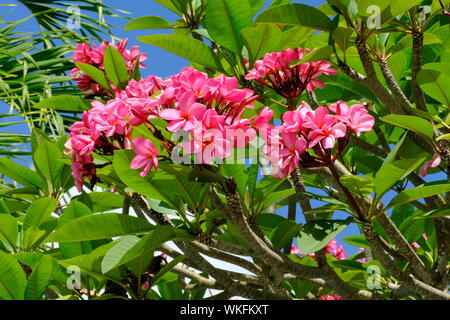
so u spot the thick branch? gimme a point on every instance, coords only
(417, 60)
(220, 255)
(224, 246)
(392, 83)
(405, 248)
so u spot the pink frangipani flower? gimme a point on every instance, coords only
(324, 128)
(433, 163)
(187, 113)
(147, 155)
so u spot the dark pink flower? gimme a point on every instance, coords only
(331, 297)
(274, 71)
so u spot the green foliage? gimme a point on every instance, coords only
(296, 14)
(185, 47)
(317, 234)
(100, 226)
(115, 68)
(225, 19)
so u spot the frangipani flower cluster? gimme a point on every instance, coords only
(209, 109)
(95, 56)
(211, 112)
(275, 72)
(304, 128)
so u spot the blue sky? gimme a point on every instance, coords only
(160, 62)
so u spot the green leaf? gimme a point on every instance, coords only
(435, 82)
(170, 183)
(357, 241)
(317, 234)
(256, 5)
(347, 265)
(284, 232)
(199, 174)
(20, 174)
(32, 237)
(132, 249)
(276, 197)
(444, 137)
(166, 269)
(105, 201)
(390, 174)
(116, 253)
(99, 226)
(38, 212)
(396, 8)
(389, 9)
(406, 43)
(90, 264)
(225, 19)
(259, 40)
(148, 22)
(170, 5)
(64, 103)
(12, 278)
(363, 186)
(263, 189)
(8, 230)
(342, 37)
(39, 279)
(296, 14)
(444, 212)
(74, 210)
(47, 159)
(323, 53)
(185, 47)
(96, 74)
(418, 193)
(115, 67)
(294, 37)
(412, 123)
(393, 154)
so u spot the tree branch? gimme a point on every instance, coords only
(417, 60)
(404, 248)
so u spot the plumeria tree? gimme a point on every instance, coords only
(291, 124)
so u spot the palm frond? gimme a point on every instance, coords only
(59, 14)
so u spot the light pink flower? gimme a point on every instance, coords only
(261, 121)
(187, 113)
(288, 157)
(362, 260)
(355, 117)
(147, 156)
(335, 250)
(433, 163)
(208, 145)
(294, 250)
(324, 128)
